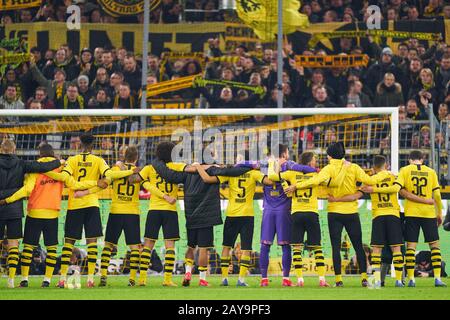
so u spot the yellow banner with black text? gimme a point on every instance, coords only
(18, 4)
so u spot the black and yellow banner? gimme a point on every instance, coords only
(262, 16)
(170, 86)
(18, 4)
(14, 58)
(177, 37)
(332, 61)
(194, 37)
(328, 35)
(118, 8)
(373, 33)
(200, 82)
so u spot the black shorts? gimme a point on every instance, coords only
(235, 226)
(306, 222)
(35, 226)
(128, 223)
(13, 229)
(428, 225)
(386, 231)
(89, 218)
(165, 219)
(202, 237)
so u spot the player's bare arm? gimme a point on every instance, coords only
(412, 197)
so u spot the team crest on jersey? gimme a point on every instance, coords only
(118, 8)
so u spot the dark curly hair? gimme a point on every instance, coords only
(164, 151)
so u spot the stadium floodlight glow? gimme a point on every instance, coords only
(390, 111)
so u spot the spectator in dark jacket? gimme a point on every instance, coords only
(320, 99)
(443, 72)
(355, 98)
(12, 172)
(60, 62)
(132, 73)
(428, 89)
(389, 92)
(377, 71)
(41, 95)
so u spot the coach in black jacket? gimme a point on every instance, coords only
(202, 210)
(12, 171)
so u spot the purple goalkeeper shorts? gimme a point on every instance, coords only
(277, 221)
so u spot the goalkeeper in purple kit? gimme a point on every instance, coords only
(277, 219)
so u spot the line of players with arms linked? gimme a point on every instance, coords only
(290, 211)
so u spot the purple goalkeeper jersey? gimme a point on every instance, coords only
(274, 196)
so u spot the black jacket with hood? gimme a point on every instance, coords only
(201, 200)
(12, 172)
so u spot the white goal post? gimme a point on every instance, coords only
(391, 111)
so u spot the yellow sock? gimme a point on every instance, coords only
(320, 262)
(92, 252)
(410, 262)
(363, 276)
(13, 260)
(25, 260)
(244, 264)
(169, 262)
(188, 263)
(397, 259)
(144, 264)
(338, 277)
(65, 259)
(436, 260)
(375, 261)
(134, 263)
(105, 259)
(224, 266)
(297, 262)
(50, 262)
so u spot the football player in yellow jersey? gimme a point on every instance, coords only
(162, 214)
(386, 223)
(343, 214)
(240, 217)
(124, 216)
(422, 181)
(84, 212)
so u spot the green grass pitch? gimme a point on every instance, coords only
(117, 290)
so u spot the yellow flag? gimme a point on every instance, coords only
(262, 16)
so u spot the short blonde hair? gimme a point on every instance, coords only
(8, 146)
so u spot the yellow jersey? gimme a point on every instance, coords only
(354, 175)
(385, 204)
(303, 200)
(149, 174)
(86, 166)
(242, 190)
(421, 181)
(125, 195)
